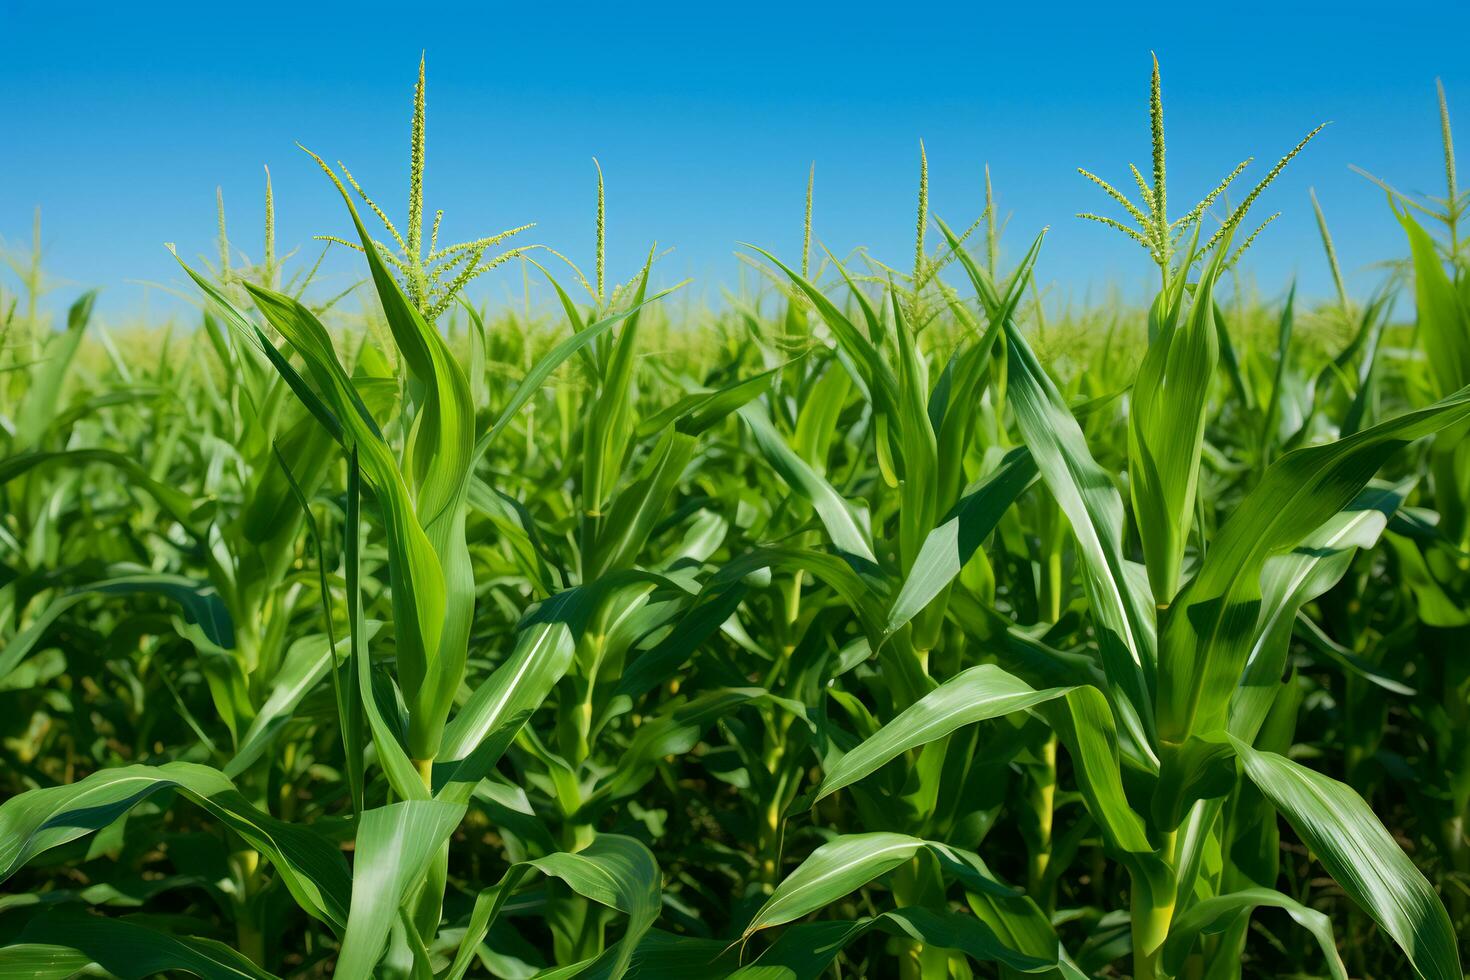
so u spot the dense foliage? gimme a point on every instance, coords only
(876, 627)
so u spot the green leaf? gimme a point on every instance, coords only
(1270, 422)
(487, 908)
(613, 870)
(1215, 914)
(836, 514)
(654, 666)
(950, 545)
(698, 412)
(877, 377)
(395, 844)
(857, 591)
(305, 664)
(482, 730)
(174, 502)
(816, 423)
(199, 603)
(349, 720)
(673, 730)
(974, 695)
(310, 865)
(1208, 633)
(807, 950)
(1166, 431)
(248, 331)
(1435, 607)
(847, 863)
(554, 358)
(618, 872)
(426, 574)
(61, 944)
(401, 773)
(1084, 722)
(1086, 494)
(638, 507)
(1362, 858)
(271, 513)
(1443, 317)
(610, 420)
(38, 410)
(917, 445)
(1289, 581)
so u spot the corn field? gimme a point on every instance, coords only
(872, 625)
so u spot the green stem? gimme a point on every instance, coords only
(1458, 859)
(251, 941)
(1043, 798)
(918, 883)
(428, 906)
(249, 936)
(1151, 915)
(1150, 929)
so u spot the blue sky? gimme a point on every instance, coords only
(120, 124)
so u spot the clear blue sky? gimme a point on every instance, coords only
(120, 123)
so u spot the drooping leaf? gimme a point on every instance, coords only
(198, 601)
(67, 942)
(845, 864)
(310, 865)
(974, 695)
(806, 950)
(1362, 858)
(1214, 914)
(836, 514)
